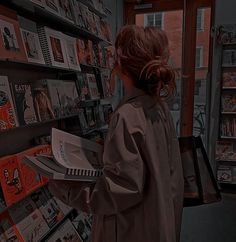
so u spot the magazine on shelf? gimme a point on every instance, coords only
(31, 41)
(81, 51)
(74, 158)
(93, 87)
(228, 102)
(228, 127)
(82, 226)
(229, 57)
(66, 232)
(8, 118)
(48, 207)
(106, 83)
(24, 103)
(42, 102)
(84, 12)
(71, 51)
(226, 174)
(229, 79)
(82, 120)
(78, 14)
(8, 230)
(225, 151)
(28, 220)
(91, 121)
(11, 179)
(11, 44)
(65, 10)
(88, 51)
(82, 85)
(53, 46)
(230, 30)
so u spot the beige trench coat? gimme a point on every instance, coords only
(140, 196)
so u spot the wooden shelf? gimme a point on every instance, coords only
(228, 88)
(228, 137)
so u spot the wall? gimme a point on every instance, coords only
(216, 222)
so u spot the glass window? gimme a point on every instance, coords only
(200, 19)
(199, 57)
(153, 19)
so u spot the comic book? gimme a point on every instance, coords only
(82, 86)
(80, 21)
(229, 80)
(92, 85)
(28, 220)
(106, 83)
(8, 118)
(24, 103)
(11, 178)
(228, 102)
(65, 10)
(52, 6)
(81, 51)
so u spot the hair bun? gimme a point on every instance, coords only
(157, 75)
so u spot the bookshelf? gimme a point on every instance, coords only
(20, 71)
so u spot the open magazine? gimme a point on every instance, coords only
(73, 158)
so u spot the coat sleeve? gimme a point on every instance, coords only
(121, 185)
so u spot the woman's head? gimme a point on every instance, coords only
(142, 55)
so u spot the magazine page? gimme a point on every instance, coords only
(72, 151)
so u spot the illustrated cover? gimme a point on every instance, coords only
(28, 220)
(82, 85)
(91, 121)
(52, 6)
(2, 200)
(71, 51)
(229, 57)
(78, 14)
(48, 207)
(230, 30)
(92, 85)
(56, 44)
(63, 207)
(31, 179)
(98, 53)
(11, 178)
(88, 52)
(42, 102)
(84, 12)
(24, 103)
(91, 22)
(82, 226)
(229, 79)
(66, 232)
(81, 51)
(8, 118)
(70, 98)
(225, 174)
(228, 102)
(8, 231)
(11, 44)
(225, 151)
(106, 83)
(65, 10)
(31, 41)
(55, 88)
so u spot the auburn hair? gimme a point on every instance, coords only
(143, 54)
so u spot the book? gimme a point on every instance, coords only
(84, 12)
(90, 116)
(229, 57)
(63, 207)
(42, 102)
(31, 41)
(71, 51)
(106, 83)
(110, 57)
(82, 226)
(48, 207)
(53, 47)
(28, 220)
(31, 180)
(92, 85)
(74, 158)
(11, 44)
(66, 232)
(82, 86)
(228, 127)
(8, 230)
(229, 79)
(228, 102)
(225, 151)
(79, 20)
(82, 120)
(107, 111)
(65, 10)
(52, 6)
(81, 51)
(88, 51)
(8, 118)
(225, 174)
(24, 103)
(11, 178)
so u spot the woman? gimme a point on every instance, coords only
(140, 195)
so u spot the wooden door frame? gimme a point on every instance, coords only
(189, 44)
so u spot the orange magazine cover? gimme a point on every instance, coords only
(81, 52)
(89, 52)
(11, 179)
(11, 44)
(8, 231)
(31, 179)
